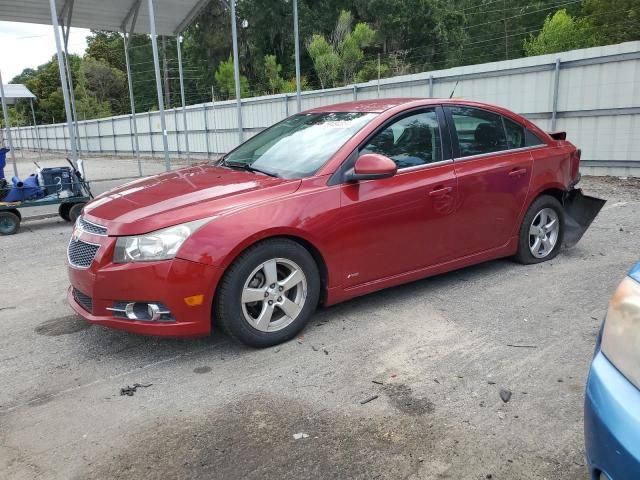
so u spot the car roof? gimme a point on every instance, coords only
(372, 106)
(382, 104)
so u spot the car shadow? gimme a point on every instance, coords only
(109, 344)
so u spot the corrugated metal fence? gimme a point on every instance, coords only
(593, 94)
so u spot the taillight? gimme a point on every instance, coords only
(575, 164)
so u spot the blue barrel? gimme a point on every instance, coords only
(3, 160)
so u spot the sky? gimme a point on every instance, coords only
(28, 45)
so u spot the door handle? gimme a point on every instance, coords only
(438, 192)
(517, 172)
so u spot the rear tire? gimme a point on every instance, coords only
(74, 211)
(9, 223)
(63, 211)
(268, 294)
(541, 232)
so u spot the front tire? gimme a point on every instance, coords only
(541, 232)
(268, 293)
(9, 223)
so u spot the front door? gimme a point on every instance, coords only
(405, 222)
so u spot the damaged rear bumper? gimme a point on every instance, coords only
(579, 210)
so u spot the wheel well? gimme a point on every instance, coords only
(554, 192)
(317, 256)
(315, 253)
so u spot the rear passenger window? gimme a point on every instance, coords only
(479, 131)
(515, 134)
(531, 139)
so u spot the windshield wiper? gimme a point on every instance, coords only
(247, 167)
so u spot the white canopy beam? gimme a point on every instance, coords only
(133, 15)
(156, 66)
(64, 81)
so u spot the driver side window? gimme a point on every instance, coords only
(410, 141)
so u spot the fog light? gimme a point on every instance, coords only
(145, 311)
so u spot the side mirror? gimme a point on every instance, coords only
(371, 166)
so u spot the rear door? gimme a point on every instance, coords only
(406, 222)
(493, 168)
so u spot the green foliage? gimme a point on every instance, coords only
(344, 51)
(225, 80)
(107, 47)
(561, 32)
(369, 71)
(343, 39)
(289, 86)
(272, 71)
(613, 21)
(326, 61)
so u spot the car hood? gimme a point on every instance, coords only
(181, 196)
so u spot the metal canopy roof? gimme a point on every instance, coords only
(172, 16)
(16, 90)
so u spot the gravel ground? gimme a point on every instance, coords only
(436, 353)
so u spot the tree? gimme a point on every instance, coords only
(613, 21)
(272, 71)
(342, 52)
(350, 44)
(107, 84)
(107, 47)
(289, 86)
(225, 80)
(370, 71)
(560, 32)
(325, 60)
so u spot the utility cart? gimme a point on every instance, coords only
(63, 186)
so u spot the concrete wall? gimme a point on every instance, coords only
(593, 94)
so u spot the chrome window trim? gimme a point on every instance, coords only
(82, 219)
(423, 166)
(498, 152)
(79, 267)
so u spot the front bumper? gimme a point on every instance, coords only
(168, 282)
(611, 422)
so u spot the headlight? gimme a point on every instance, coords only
(159, 245)
(621, 335)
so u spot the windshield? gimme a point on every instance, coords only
(298, 146)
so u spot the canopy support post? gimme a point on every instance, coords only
(184, 109)
(236, 67)
(130, 80)
(156, 65)
(35, 128)
(63, 80)
(7, 126)
(297, 52)
(72, 95)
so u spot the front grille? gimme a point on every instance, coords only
(81, 254)
(85, 301)
(89, 227)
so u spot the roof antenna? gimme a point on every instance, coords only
(454, 88)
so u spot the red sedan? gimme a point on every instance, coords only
(329, 204)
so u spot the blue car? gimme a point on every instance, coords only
(612, 400)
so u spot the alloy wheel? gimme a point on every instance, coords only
(544, 232)
(274, 294)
